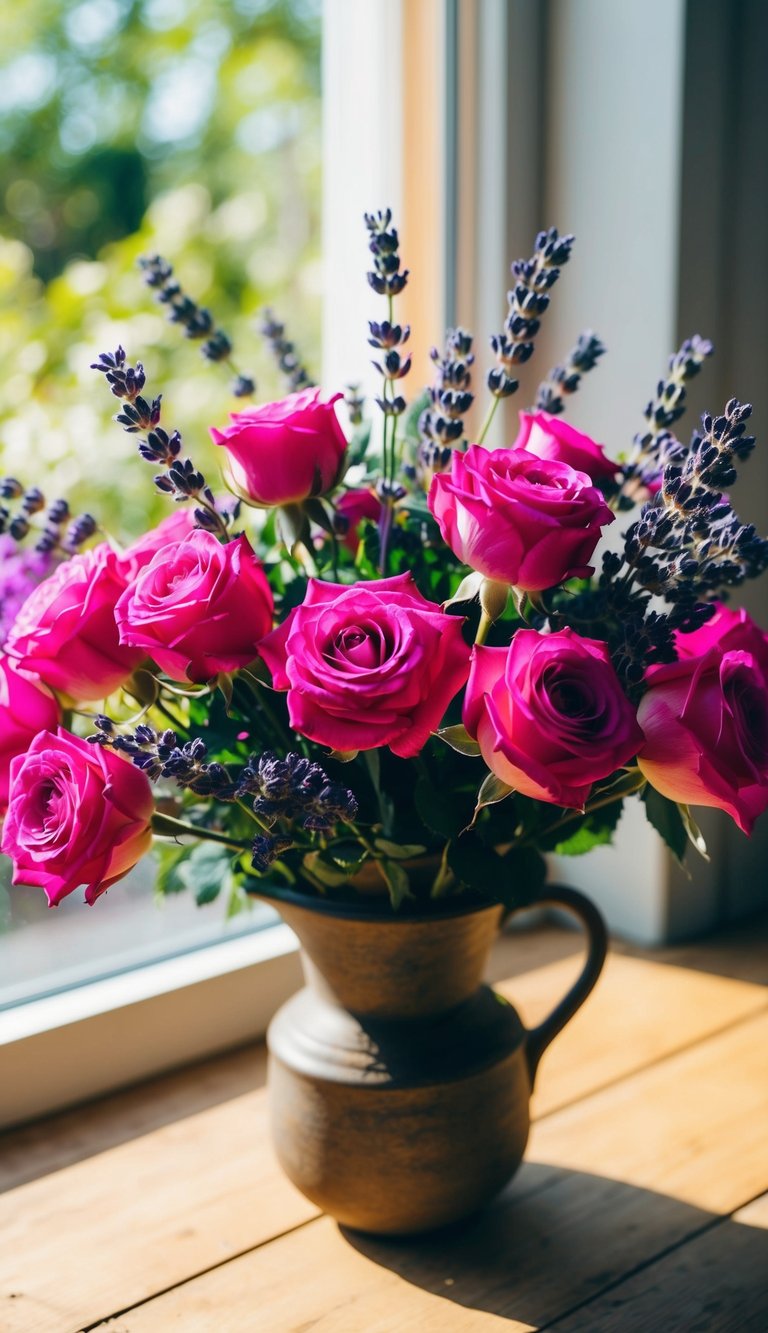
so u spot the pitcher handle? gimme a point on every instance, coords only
(538, 1038)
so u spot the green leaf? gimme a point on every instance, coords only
(467, 591)
(397, 881)
(475, 865)
(318, 513)
(693, 832)
(512, 879)
(459, 739)
(206, 871)
(524, 871)
(443, 812)
(399, 851)
(225, 684)
(667, 820)
(169, 857)
(349, 856)
(595, 830)
(492, 790)
(326, 872)
(344, 756)
(293, 526)
(583, 840)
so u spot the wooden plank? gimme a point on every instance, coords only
(717, 1281)
(613, 1183)
(48, 1145)
(186, 1195)
(692, 1126)
(640, 1012)
(111, 1230)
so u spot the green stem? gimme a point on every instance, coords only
(444, 876)
(178, 724)
(165, 826)
(490, 414)
(252, 815)
(335, 557)
(483, 628)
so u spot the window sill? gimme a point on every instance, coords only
(66, 1048)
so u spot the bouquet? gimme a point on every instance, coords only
(382, 658)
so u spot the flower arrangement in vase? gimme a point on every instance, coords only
(375, 682)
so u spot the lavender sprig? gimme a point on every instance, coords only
(181, 479)
(528, 302)
(19, 505)
(441, 425)
(387, 337)
(296, 789)
(565, 379)
(196, 320)
(292, 790)
(284, 352)
(159, 755)
(657, 447)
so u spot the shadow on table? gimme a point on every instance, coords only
(557, 1239)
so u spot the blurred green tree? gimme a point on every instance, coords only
(181, 126)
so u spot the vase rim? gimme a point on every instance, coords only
(368, 909)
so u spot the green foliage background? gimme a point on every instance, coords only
(185, 126)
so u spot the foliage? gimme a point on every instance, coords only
(96, 171)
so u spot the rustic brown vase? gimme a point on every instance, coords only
(399, 1084)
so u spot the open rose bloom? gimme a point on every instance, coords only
(392, 658)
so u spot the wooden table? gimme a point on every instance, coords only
(643, 1204)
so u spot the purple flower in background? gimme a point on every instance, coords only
(20, 572)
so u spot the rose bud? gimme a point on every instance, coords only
(78, 814)
(284, 452)
(517, 519)
(198, 608)
(550, 715)
(367, 665)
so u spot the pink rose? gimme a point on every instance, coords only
(729, 630)
(65, 632)
(705, 721)
(284, 452)
(517, 519)
(551, 437)
(25, 708)
(367, 665)
(354, 506)
(198, 608)
(550, 715)
(175, 528)
(78, 814)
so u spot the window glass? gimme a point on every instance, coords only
(127, 127)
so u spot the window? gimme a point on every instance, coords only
(477, 123)
(194, 131)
